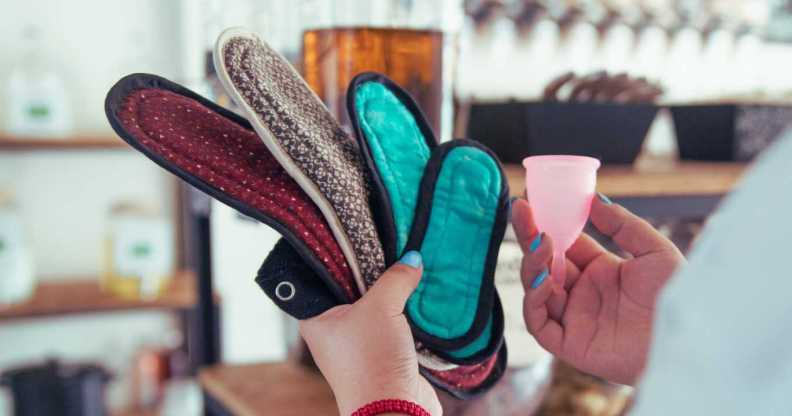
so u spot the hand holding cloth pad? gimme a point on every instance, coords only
(305, 274)
(450, 203)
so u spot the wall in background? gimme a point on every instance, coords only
(93, 43)
(64, 197)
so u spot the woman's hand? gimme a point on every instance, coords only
(601, 320)
(366, 350)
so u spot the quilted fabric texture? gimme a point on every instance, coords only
(399, 151)
(229, 158)
(289, 117)
(451, 312)
(456, 243)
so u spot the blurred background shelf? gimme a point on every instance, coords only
(12, 143)
(75, 296)
(655, 188)
(278, 389)
(654, 179)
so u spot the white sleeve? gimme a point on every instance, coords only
(723, 333)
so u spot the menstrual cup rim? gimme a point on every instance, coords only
(593, 162)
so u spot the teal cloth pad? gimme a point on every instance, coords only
(398, 148)
(455, 247)
(464, 207)
(474, 347)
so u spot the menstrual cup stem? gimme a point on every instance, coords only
(558, 270)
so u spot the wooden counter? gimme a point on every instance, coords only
(276, 389)
(286, 389)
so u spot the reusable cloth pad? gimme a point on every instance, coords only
(307, 141)
(458, 227)
(219, 153)
(449, 202)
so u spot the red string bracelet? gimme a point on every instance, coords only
(391, 406)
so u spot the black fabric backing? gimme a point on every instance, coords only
(284, 264)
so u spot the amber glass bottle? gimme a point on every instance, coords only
(411, 57)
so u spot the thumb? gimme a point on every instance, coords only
(396, 285)
(629, 231)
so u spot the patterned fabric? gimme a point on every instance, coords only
(468, 376)
(232, 159)
(313, 139)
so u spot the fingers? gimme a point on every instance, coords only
(547, 331)
(628, 231)
(522, 221)
(396, 285)
(313, 328)
(536, 259)
(584, 250)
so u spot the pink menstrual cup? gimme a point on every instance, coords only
(560, 189)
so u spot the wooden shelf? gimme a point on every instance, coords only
(10, 143)
(75, 296)
(654, 179)
(277, 389)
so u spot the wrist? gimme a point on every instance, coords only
(368, 391)
(391, 407)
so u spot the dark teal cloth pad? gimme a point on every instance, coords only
(398, 148)
(456, 242)
(446, 201)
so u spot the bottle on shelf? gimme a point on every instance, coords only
(138, 252)
(17, 281)
(36, 98)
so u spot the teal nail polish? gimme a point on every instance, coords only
(536, 243)
(539, 279)
(605, 200)
(412, 258)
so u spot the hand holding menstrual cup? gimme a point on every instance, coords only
(560, 189)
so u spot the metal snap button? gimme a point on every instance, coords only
(285, 291)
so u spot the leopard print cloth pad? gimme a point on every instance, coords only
(313, 139)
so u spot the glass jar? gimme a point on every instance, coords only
(138, 252)
(17, 281)
(410, 41)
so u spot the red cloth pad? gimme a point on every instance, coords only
(231, 159)
(469, 376)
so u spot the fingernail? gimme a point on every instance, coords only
(536, 242)
(605, 200)
(509, 207)
(412, 258)
(539, 279)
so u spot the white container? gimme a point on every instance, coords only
(17, 281)
(36, 99)
(139, 252)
